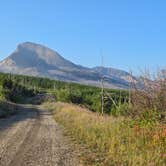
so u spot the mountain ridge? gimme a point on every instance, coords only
(37, 60)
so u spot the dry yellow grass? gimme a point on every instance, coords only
(112, 141)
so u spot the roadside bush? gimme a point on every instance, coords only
(150, 101)
(15, 92)
(62, 95)
(121, 110)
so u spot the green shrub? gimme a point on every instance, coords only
(120, 110)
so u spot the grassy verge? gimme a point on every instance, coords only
(111, 141)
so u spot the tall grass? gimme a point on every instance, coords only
(112, 141)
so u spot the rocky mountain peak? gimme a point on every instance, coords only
(38, 60)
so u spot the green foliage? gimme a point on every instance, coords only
(15, 87)
(62, 95)
(120, 110)
(12, 89)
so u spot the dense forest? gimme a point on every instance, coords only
(18, 87)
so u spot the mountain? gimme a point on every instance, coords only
(37, 60)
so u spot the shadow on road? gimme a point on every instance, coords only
(23, 112)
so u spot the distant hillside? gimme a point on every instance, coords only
(37, 60)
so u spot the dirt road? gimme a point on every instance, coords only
(33, 138)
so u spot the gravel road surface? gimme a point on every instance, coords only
(33, 138)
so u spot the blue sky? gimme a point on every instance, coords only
(130, 33)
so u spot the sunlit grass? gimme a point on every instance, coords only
(112, 141)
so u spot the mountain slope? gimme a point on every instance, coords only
(37, 60)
